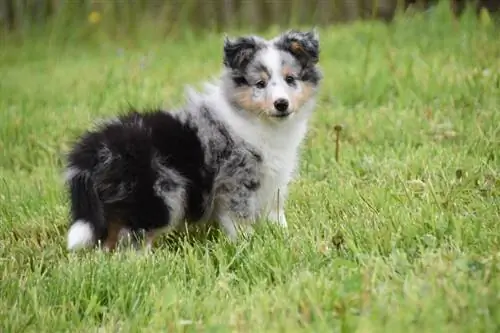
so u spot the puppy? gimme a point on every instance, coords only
(226, 156)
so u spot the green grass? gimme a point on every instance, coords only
(402, 234)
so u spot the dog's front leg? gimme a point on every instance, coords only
(233, 226)
(277, 208)
(278, 217)
(228, 225)
(232, 222)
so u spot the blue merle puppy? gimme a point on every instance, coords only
(226, 156)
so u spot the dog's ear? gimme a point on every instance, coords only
(302, 45)
(239, 52)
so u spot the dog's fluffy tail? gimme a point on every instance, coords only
(87, 223)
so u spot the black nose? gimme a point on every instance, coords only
(281, 105)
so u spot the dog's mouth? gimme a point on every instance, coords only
(281, 115)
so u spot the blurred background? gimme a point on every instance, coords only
(172, 16)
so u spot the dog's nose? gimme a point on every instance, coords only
(281, 104)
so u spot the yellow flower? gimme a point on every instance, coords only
(94, 17)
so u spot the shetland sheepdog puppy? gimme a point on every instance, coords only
(227, 155)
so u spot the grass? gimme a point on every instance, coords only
(401, 234)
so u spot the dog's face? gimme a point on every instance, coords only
(272, 78)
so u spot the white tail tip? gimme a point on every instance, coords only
(80, 235)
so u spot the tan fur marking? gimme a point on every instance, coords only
(114, 228)
(263, 75)
(243, 98)
(296, 47)
(299, 99)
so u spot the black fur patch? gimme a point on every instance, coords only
(302, 45)
(239, 80)
(310, 74)
(239, 52)
(117, 160)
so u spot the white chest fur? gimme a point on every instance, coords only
(278, 145)
(278, 142)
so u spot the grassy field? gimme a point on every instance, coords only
(402, 234)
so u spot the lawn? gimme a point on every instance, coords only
(401, 234)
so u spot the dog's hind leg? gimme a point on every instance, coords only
(151, 236)
(170, 187)
(114, 228)
(88, 222)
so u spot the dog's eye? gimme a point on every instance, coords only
(289, 79)
(261, 84)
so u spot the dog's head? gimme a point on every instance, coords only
(272, 78)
